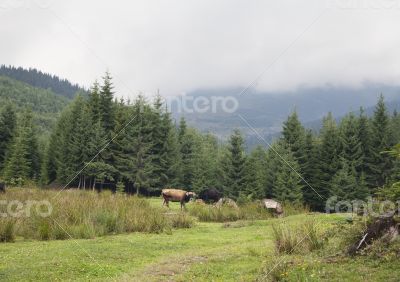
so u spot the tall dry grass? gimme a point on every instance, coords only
(210, 213)
(84, 214)
(302, 238)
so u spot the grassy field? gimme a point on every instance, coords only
(235, 251)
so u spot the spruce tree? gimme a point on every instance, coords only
(186, 138)
(236, 170)
(310, 171)
(23, 161)
(205, 162)
(107, 105)
(328, 158)
(94, 102)
(142, 143)
(381, 165)
(288, 186)
(293, 134)
(255, 175)
(8, 120)
(365, 137)
(351, 149)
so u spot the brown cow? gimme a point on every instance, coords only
(176, 195)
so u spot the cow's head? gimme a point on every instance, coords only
(189, 196)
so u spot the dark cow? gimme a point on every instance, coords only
(210, 195)
(177, 195)
(2, 187)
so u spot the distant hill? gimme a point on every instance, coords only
(43, 80)
(266, 111)
(44, 103)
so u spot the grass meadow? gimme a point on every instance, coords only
(251, 247)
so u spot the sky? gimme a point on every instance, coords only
(181, 46)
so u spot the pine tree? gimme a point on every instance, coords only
(293, 134)
(107, 105)
(288, 187)
(329, 158)
(205, 162)
(23, 161)
(365, 137)
(255, 167)
(94, 102)
(235, 172)
(381, 165)
(344, 183)
(142, 143)
(310, 172)
(351, 149)
(186, 140)
(7, 130)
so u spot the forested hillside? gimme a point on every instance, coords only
(99, 142)
(39, 79)
(44, 104)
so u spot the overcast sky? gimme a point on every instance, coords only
(179, 46)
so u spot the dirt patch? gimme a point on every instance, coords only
(168, 269)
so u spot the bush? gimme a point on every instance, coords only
(297, 239)
(181, 220)
(7, 232)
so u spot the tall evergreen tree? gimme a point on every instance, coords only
(293, 134)
(310, 172)
(186, 140)
(329, 157)
(365, 137)
(381, 165)
(23, 161)
(351, 149)
(236, 170)
(288, 186)
(107, 105)
(255, 175)
(94, 102)
(8, 120)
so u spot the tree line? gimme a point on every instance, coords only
(136, 147)
(43, 80)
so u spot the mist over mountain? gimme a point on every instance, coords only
(265, 111)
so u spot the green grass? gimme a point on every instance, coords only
(238, 251)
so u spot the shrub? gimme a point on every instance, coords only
(7, 231)
(297, 239)
(286, 239)
(181, 220)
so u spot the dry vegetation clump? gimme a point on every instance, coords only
(83, 214)
(225, 213)
(297, 239)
